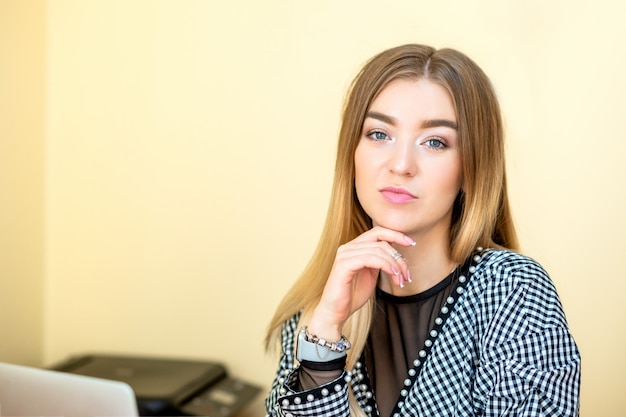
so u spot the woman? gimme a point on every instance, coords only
(415, 302)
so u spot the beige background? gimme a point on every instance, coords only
(165, 165)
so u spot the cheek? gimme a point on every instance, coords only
(360, 165)
(363, 173)
(456, 177)
(449, 177)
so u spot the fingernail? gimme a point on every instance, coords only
(394, 270)
(411, 241)
(401, 282)
(408, 276)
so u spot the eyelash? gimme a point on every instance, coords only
(372, 135)
(441, 143)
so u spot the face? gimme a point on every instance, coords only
(407, 162)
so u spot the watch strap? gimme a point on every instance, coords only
(314, 352)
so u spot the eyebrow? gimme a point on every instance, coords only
(425, 125)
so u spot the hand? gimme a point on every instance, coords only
(354, 276)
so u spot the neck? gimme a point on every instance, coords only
(429, 264)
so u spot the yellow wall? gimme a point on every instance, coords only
(189, 147)
(22, 41)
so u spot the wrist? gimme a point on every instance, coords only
(324, 328)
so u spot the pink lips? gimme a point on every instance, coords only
(397, 195)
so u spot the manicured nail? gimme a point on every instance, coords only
(408, 276)
(401, 282)
(411, 241)
(394, 270)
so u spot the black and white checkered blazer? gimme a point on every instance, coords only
(504, 350)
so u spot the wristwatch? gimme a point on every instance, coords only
(314, 349)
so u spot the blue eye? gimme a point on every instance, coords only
(435, 143)
(377, 135)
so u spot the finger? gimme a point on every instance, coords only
(383, 234)
(404, 264)
(397, 256)
(355, 256)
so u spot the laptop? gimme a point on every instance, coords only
(26, 391)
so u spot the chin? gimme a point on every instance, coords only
(396, 224)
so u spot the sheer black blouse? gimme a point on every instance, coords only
(399, 328)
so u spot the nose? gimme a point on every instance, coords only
(403, 159)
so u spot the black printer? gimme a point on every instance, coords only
(170, 387)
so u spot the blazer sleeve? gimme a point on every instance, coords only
(529, 364)
(283, 400)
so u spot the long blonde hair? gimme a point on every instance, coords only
(481, 214)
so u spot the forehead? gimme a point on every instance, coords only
(411, 98)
